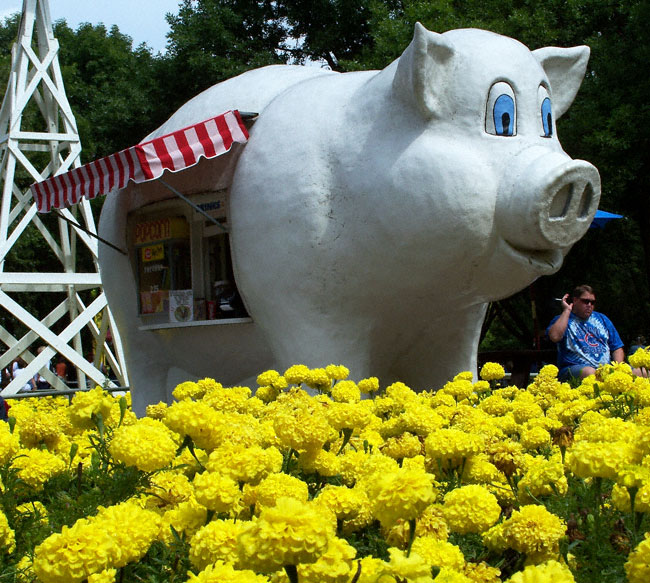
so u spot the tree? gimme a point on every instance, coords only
(213, 40)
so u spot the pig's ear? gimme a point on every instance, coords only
(422, 71)
(565, 69)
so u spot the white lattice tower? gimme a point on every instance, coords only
(39, 138)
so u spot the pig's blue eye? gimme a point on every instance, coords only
(504, 115)
(501, 110)
(547, 118)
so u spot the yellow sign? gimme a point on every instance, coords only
(153, 253)
(171, 228)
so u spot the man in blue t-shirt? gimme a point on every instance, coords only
(585, 339)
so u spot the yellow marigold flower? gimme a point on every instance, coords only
(37, 466)
(495, 538)
(470, 508)
(245, 464)
(187, 463)
(458, 389)
(337, 372)
(369, 385)
(400, 393)
(604, 460)
(637, 567)
(479, 470)
(633, 476)
(360, 468)
(439, 553)
(186, 518)
(535, 438)
(39, 427)
(549, 571)
(333, 566)
(199, 421)
(413, 568)
(7, 536)
(535, 531)
(25, 570)
(71, 555)
(523, 410)
(482, 573)
(216, 491)
(507, 456)
(273, 487)
(617, 382)
(481, 387)
(450, 446)
(148, 445)
(9, 443)
(318, 379)
(640, 358)
(405, 445)
(34, 508)
(133, 528)
(404, 494)
(228, 400)
(85, 404)
(301, 427)
(621, 498)
(346, 392)
(466, 375)
(157, 411)
(216, 541)
(347, 416)
(542, 478)
(290, 533)
(188, 390)
(221, 572)
(344, 502)
(170, 489)
(268, 378)
(495, 405)
(419, 419)
(106, 576)
(325, 463)
(296, 374)
(267, 393)
(432, 523)
(492, 371)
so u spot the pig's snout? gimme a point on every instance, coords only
(549, 205)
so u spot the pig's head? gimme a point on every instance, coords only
(497, 102)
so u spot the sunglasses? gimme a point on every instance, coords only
(587, 302)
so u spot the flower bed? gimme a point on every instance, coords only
(472, 483)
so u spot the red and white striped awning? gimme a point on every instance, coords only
(145, 161)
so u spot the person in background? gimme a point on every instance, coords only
(18, 366)
(585, 338)
(61, 368)
(41, 383)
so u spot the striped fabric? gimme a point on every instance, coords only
(142, 162)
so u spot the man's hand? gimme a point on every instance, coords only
(566, 306)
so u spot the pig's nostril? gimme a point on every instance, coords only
(586, 200)
(561, 201)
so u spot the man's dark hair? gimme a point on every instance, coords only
(582, 289)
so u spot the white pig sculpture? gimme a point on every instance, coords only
(373, 215)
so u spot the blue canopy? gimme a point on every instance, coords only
(602, 218)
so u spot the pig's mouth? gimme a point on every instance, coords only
(544, 260)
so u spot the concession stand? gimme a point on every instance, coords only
(178, 244)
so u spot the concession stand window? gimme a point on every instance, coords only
(179, 246)
(182, 261)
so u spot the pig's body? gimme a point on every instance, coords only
(373, 215)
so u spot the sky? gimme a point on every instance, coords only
(142, 20)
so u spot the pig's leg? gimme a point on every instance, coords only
(447, 346)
